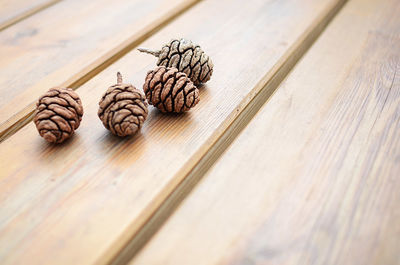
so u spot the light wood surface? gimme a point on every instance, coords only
(83, 201)
(67, 44)
(13, 11)
(314, 177)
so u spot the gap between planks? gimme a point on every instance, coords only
(237, 121)
(26, 14)
(23, 117)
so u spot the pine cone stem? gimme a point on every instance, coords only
(119, 78)
(154, 53)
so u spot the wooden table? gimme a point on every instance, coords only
(292, 155)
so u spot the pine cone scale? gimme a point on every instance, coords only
(195, 70)
(178, 86)
(166, 91)
(52, 100)
(127, 96)
(192, 99)
(117, 97)
(140, 106)
(52, 131)
(186, 60)
(158, 77)
(148, 93)
(62, 124)
(62, 111)
(56, 107)
(189, 98)
(168, 75)
(167, 98)
(129, 107)
(157, 92)
(124, 113)
(73, 102)
(202, 74)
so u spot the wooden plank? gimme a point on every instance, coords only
(314, 178)
(13, 11)
(84, 201)
(69, 43)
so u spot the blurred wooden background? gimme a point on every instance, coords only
(292, 155)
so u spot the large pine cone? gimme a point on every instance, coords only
(187, 57)
(170, 90)
(123, 109)
(58, 114)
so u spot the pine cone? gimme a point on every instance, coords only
(58, 114)
(170, 90)
(123, 109)
(187, 57)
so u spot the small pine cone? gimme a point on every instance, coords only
(122, 109)
(58, 114)
(187, 57)
(170, 90)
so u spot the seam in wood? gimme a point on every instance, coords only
(206, 157)
(23, 117)
(26, 14)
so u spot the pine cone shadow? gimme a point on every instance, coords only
(169, 125)
(122, 151)
(176, 125)
(110, 139)
(51, 152)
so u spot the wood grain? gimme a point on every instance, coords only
(314, 178)
(69, 43)
(83, 201)
(13, 11)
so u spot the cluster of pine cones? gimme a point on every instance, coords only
(171, 87)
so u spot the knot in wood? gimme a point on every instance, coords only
(170, 90)
(123, 109)
(58, 114)
(187, 57)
